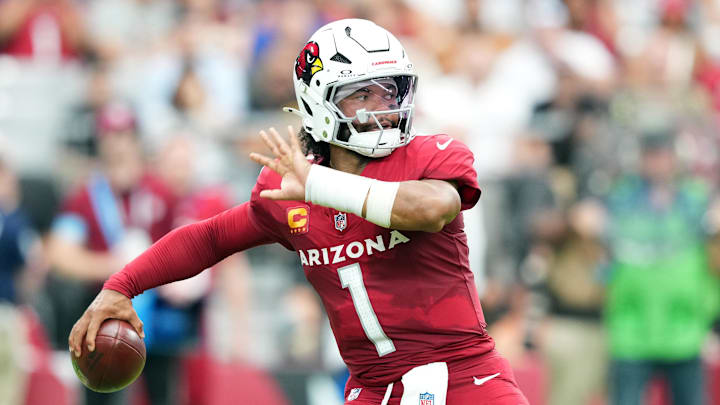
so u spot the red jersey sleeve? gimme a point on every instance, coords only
(264, 213)
(451, 160)
(189, 250)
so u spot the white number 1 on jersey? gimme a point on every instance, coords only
(352, 279)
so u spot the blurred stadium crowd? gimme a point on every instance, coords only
(595, 128)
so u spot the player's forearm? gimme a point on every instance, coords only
(181, 254)
(425, 205)
(415, 205)
(187, 251)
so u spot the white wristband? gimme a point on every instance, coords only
(380, 201)
(335, 189)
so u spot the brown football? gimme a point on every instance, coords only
(118, 358)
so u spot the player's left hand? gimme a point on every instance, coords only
(108, 304)
(289, 162)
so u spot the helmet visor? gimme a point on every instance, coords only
(375, 115)
(392, 94)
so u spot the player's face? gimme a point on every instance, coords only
(375, 97)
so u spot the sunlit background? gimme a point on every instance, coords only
(594, 125)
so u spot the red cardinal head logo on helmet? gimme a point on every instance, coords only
(308, 62)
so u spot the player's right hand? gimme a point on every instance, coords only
(108, 304)
(289, 162)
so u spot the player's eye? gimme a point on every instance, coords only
(361, 95)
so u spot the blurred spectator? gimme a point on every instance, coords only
(303, 333)
(82, 124)
(531, 198)
(44, 30)
(669, 55)
(226, 289)
(466, 62)
(572, 336)
(193, 105)
(531, 225)
(18, 257)
(201, 126)
(661, 295)
(593, 148)
(104, 223)
(197, 78)
(172, 313)
(581, 62)
(214, 44)
(583, 141)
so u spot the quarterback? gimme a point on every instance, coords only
(373, 212)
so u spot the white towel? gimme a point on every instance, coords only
(425, 385)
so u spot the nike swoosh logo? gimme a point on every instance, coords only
(481, 381)
(442, 146)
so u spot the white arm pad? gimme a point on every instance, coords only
(380, 202)
(347, 192)
(335, 189)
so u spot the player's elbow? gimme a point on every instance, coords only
(440, 211)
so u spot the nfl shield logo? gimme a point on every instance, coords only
(427, 399)
(354, 393)
(341, 221)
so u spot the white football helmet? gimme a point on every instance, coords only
(341, 58)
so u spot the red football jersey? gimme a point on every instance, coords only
(395, 299)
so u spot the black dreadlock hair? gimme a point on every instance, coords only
(320, 150)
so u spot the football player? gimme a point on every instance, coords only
(373, 213)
